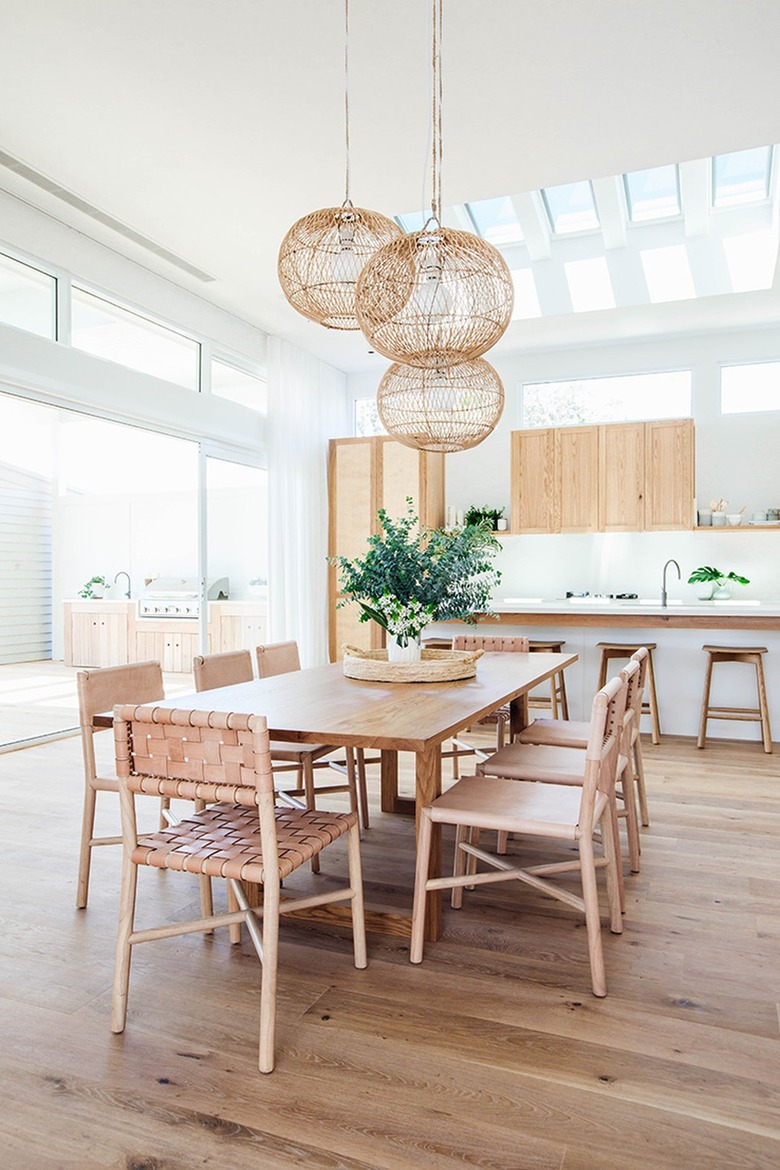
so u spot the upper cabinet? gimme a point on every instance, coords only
(624, 477)
(365, 475)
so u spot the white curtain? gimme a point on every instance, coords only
(307, 405)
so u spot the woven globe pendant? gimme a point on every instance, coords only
(435, 298)
(441, 409)
(321, 257)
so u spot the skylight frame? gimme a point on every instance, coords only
(730, 204)
(637, 217)
(481, 230)
(551, 218)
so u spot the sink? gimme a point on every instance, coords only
(590, 600)
(657, 601)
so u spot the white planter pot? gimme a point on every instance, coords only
(411, 652)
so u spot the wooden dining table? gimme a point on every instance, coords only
(322, 705)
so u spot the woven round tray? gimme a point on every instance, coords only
(434, 666)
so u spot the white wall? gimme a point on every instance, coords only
(736, 458)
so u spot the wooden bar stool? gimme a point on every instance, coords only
(610, 650)
(760, 714)
(557, 700)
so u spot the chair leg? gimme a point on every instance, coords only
(655, 722)
(763, 706)
(615, 839)
(553, 697)
(356, 885)
(590, 898)
(235, 927)
(165, 804)
(85, 850)
(425, 833)
(459, 865)
(632, 820)
(268, 987)
(705, 704)
(564, 701)
(639, 777)
(311, 804)
(362, 787)
(615, 896)
(127, 898)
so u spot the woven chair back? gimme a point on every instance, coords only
(277, 658)
(101, 690)
(490, 643)
(633, 676)
(222, 670)
(602, 752)
(194, 755)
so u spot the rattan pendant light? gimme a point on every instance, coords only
(438, 296)
(441, 409)
(321, 257)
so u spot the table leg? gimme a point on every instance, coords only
(389, 781)
(428, 787)
(518, 716)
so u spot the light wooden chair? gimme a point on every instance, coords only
(557, 700)
(222, 670)
(283, 658)
(98, 692)
(222, 760)
(574, 733)
(611, 650)
(490, 643)
(540, 812)
(552, 764)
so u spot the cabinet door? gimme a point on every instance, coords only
(240, 628)
(98, 635)
(669, 474)
(577, 466)
(622, 477)
(353, 498)
(534, 495)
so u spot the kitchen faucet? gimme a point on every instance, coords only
(663, 582)
(124, 574)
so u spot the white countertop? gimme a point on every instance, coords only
(594, 605)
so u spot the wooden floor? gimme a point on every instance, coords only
(493, 1054)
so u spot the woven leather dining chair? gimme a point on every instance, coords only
(539, 812)
(224, 761)
(283, 658)
(98, 692)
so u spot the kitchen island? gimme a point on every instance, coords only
(679, 631)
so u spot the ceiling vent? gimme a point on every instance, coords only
(115, 225)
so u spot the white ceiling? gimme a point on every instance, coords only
(209, 126)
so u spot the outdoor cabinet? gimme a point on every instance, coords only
(364, 475)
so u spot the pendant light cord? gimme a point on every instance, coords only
(436, 153)
(346, 100)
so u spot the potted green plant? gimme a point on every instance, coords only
(95, 587)
(714, 582)
(412, 576)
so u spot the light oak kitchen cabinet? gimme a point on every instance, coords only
(98, 633)
(621, 477)
(364, 475)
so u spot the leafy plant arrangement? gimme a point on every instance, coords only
(491, 516)
(709, 573)
(718, 580)
(88, 589)
(410, 577)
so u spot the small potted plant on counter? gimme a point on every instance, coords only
(95, 587)
(714, 582)
(410, 577)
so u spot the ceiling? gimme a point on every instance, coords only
(209, 127)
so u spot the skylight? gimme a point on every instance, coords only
(652, 194)
(741, 177)
(496, 221)
(571, 207)
(413, 221)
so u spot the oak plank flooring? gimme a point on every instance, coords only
(491, 1054)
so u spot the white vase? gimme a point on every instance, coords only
(721, 593)
(411, 652)
(704, 592)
